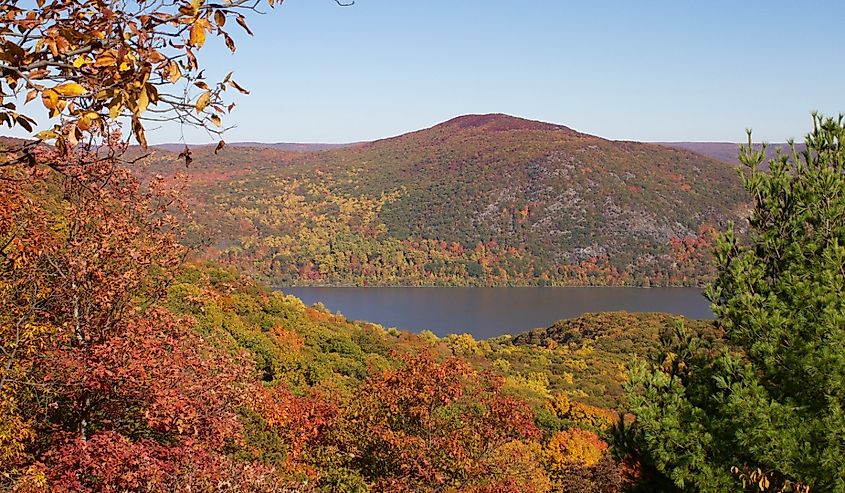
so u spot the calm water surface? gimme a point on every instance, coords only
(489, 312)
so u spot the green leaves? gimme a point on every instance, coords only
(762, 410)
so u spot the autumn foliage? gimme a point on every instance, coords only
(91, 63)
(121, 376)
(439, 426)
(124, 369)
(89, 367)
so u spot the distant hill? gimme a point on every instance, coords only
(479, 199)
(726, 151)
(281, 146)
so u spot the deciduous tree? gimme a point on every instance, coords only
(439, 426)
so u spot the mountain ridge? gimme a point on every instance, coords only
(724, 151)
(476, 200)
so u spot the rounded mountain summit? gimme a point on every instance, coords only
(478, 199)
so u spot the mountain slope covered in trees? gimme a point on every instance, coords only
(480, 199)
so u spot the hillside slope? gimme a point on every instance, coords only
(480, 199)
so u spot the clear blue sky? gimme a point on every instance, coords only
(643, 70)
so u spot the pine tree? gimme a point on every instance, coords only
(763, 407)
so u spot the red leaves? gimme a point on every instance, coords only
(109, 462)
(430, 424)
(301, 421)
(127, 396)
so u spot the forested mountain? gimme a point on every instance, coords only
(480, 199)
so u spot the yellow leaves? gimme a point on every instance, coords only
(115, 108)
(110, 61)
(584, 414)
(760, 478)
(559, 405)
(53, 99)
(142, 102)
(15, 430)
(46, 135)
(202, 101)
(197, 32)
(81, 60)
(72, 135)
(70, 89)
(173, 73)
(573, 447)
(148, 94)
(32, 478)
(50, 99)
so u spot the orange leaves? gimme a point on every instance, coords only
(237, 86)
(53, 102)
(219, 18)
(106, 59)
(230, 43)
(572, 447)
(301, 420)
(84, 255)
(92, 58)
(288, 339)
(197, 32)
(112, 376)
(433, 424)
